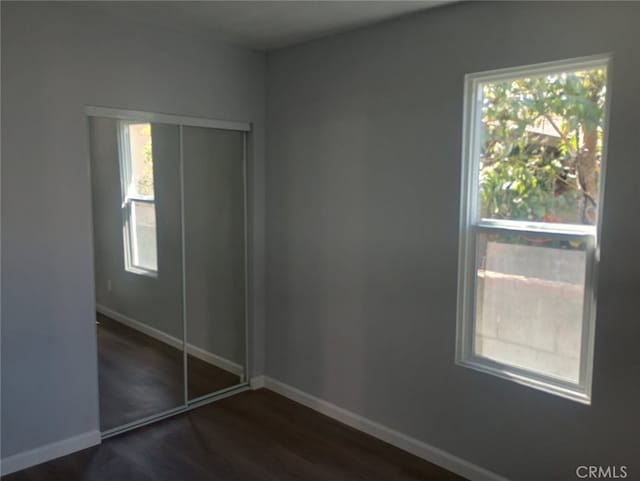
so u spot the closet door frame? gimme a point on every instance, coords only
(182, 121)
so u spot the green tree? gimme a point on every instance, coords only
(541, 146)
(145, 180)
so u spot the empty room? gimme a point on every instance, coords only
(320, 240)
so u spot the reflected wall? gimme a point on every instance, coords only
(169, 219)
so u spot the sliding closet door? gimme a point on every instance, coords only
(215, 283)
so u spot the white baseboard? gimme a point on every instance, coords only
(162, 336)
(423, 450)
(257, 382)
(140, 326)
(48, 452)
(215, 360)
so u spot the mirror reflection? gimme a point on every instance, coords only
(215, 243)
(169, 247)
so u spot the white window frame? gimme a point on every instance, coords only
(471, 225)
(128, 197)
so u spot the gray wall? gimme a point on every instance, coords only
(214, 237)
(55, 59)
(363, 186)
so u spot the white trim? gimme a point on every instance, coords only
(172, 341)
(257, 382)
(140, 326)
(183, 252)
(544, 68)
(537, 228)
(559, 387)
(215, 360)
(418, 448)
(141, 116)
(245, 212)
(45, 453)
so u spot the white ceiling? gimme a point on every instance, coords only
(264, 25)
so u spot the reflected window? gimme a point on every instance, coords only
(138, 198)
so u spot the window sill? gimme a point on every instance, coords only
(142, 272)
(535, 381)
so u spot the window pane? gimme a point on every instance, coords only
(529, 303)
(141, 161)
(143, 217)
(541, 147)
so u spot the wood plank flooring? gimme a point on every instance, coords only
(252, 436)
(140, 376)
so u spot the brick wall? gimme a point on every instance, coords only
(529, 306)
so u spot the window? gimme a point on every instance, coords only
(138, 200)
(532, 189)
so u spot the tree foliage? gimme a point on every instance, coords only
(541, 146)
(145, 180)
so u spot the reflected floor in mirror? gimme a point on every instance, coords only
(251, 436)
(141, 376)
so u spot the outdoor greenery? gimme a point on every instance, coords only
(145, 180)
(541, 147)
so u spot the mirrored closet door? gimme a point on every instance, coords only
(169, 221)
(214, 213)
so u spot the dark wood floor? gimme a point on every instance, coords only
(140, 376)
(252, 436)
